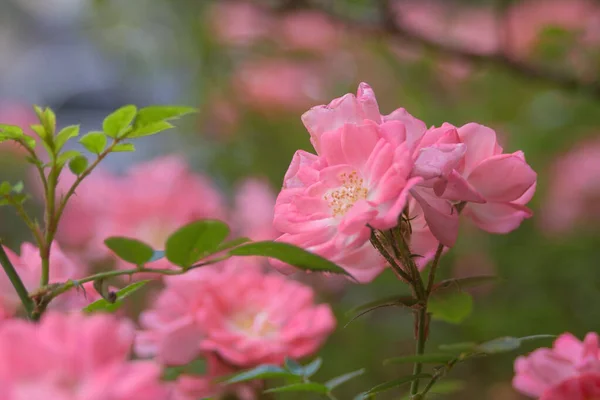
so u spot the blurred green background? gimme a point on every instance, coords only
(253, 68)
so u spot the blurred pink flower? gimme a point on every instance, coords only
(21, 115)
(309, 30)
(574, 189)
(241, 314)
(199, 387)
(568, 371)
(239, 22)
(74, 357)
(504, 181)
(279, 85)
(526, 20)
(29, 266)
(253, 210)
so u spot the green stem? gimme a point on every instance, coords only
(421, 340)
(436, 260)
(16, 282)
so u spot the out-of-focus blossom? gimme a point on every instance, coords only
(309, 30)
(20, 115)
(526, 21)
(451, 24)
(239, 22)
(29, 267)
(239, 313)
(253, 210)
(573, 197)
(568, 371)
(199, 387)
(74, 357)
(279, 85)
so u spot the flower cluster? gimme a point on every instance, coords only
(74, 357)
(368, 167)
(570, 370)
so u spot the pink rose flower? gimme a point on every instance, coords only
(568, 371)
(29, 266)
(74, 357)
(239, 22)
(241, 314)
(254, 205)
(309, 30)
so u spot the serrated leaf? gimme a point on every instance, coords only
(130, 250)
(431, 358)
(300, 387)
(452, 307)
(311, 368)
(64, 135)
(103, 305)
(66, 156)
(463, 283)
(260, 372)
(78, 164)
(289, 254)
(123, 147)
(150, 129)
(94, 142)
(151, 114)
(195, 240)
(118, 121)
(337, 381)
(395, 383)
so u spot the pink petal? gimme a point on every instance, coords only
(497, 217)
(415, 128)
(481, 144)
(457, 188)
(370, 108)
(440, 215)
(358, 141)
(438, 160)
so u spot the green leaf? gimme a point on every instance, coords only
(395, 383)
(230, 244)
(103, 305)
(311, 368)
(196, 367)
(78, 164)
(193, 241)
(11, 131)
(151, 114)
(18, 187)
(432, 358)
(66, 156)
(5, 188)
(49, 121)
(443, 387)
(335, 382)
(289, 254)
(123, 147)
(150, 129)
(293, 366)
(453, 307)
(260, 372)
(94, 142)
(117, 122)
(39, 130)
(130, 250)
(463, 283)
(300, 387)
(506, 344)
(458, 347)
(64, 135)
(391, 301)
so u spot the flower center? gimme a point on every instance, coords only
(342, 199)
(254, 324)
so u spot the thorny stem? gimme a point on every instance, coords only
(431, 280)
(421, 321)
(16, 281)
(382, 250)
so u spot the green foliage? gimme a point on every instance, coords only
(123, 147)
(196, 367)
(340, 380)
(153, 114)
(261, 372)
(116, 124)
(64, 135)
(150, 129)
(289, 254)
(453, 306)
(395, 383)
(104, 305)
(78, 164)
(130, 250)
(194, 241)
(94, 142)
(390, 301)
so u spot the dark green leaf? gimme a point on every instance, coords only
(407, 301)
(395, 383)
(432, 358)
(117, 122)
(150, 129)
(460, 284)
(195, 240)
(66, 156)
(104, 305)
(337, 381)
(130, 250)
(311, 368)
(78, 164)
(300, 387)
(230, 244)
(151, 114)
(289, 254)
(453, 306)
(261, 372)
(123, 148)
(94, 142)
(64, 135)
